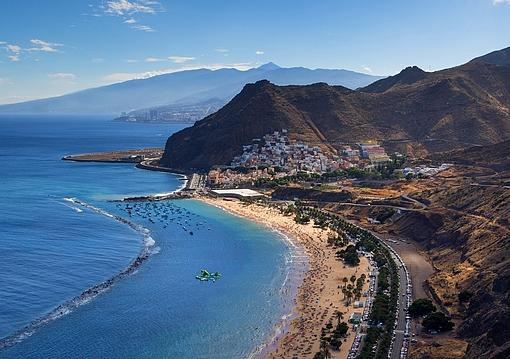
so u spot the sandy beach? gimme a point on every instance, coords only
(319, 295)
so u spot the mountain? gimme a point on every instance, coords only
(496, 156)
(499, 58)
(465, 232)
(408, 76)
(182, 88)
(415, 111)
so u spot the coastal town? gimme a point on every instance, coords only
(274, 157)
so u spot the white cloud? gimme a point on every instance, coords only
(221, 50)
(15, 49)
(44, 46)
(180, 59)
(125, 7)
(125, 76)
(62, 76)
(497, 2)
(97, 60)
(4, 81)
(259, 52)
(154, 59)
(38, 45)
(143, 28)
(128, 10)
(131, 61)
(366, 68)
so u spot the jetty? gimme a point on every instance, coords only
(124, 156)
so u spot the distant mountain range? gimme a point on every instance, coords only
(415, 112)
(184, 88)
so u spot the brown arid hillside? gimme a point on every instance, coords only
(423, 112)
(496, 156)
(466, 231)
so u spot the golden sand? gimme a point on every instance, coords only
(320, 294)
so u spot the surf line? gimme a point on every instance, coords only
(92, 292)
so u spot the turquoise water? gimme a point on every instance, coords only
(54, 249)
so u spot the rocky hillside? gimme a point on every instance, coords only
(495, 156)
(466, 231)
(428, 112)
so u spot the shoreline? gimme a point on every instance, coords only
(318, 293)
(290, 286)
(90, 293)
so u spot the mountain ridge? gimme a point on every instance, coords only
(427, 112)
(182, 87)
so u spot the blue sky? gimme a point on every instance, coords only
(53, 47)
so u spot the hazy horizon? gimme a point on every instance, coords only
(53, 49)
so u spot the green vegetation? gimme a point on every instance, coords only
(380, 308)
(353, 289)
(370, 343)
(301, 219)
(465, 296)
(332, 339)
(421, 307)
(378, 339)
(321, 355)
(349, 255)
(383, 171)
(338, 240)
(383, 281)
(437, 321)
(382, 214)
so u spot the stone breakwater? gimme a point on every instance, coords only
(92, 292)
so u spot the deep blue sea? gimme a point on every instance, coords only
(52, 249)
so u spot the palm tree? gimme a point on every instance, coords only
(349, 296)
(339, 315)
(357, 293)
(345, 280)
(325, 349)
(353, 279)
(344, 292)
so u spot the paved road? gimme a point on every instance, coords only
(490, 185)
(401, 314)
(402, 300)
(415, 201)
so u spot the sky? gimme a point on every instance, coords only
(52, 47)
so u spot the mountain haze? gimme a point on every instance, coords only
(182, 88)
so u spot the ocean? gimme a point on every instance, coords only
(61, 233)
